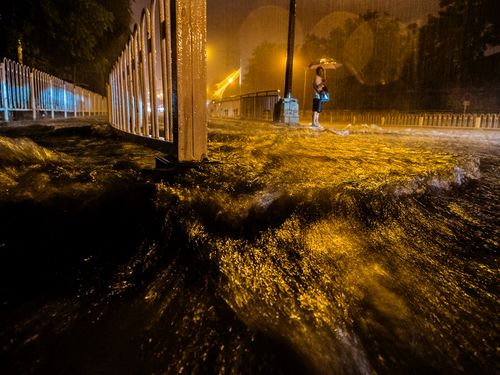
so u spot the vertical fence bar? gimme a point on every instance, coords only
(132, 93)
(111, 87)
(32, 95)
(9, 105)
(128, 76)
(121, 96)
(169, 68)
(4, 92)
(125, 90)
(108, 94)
(87, 98)
(75, 102)
(151, 40)
(51, 83)
(116, 99)
(136, 80)
(130, 85)
(142, 65)
(111, 98)
(13, 85)
(165, 64)
(65, 105)
(117, 96)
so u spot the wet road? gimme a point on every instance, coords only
(289, 251)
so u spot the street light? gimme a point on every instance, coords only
(223, 85)
(287, 109)
(290, 50)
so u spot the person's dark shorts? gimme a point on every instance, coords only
(317, 105)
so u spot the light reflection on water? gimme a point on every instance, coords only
(290, 251)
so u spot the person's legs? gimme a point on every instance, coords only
(316, 110)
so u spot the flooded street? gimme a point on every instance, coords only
(289, 250)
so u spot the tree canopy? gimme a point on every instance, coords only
(266, 68)
(75, 40)
(453, 44)
(391, 65)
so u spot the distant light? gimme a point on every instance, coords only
(222, 86)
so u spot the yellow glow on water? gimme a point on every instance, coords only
(304, 162)
(310, 280)
(351, 250)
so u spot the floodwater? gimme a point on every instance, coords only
(288, 251)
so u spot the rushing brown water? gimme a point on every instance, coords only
(289, 251)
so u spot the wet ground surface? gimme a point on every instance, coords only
(345, 251)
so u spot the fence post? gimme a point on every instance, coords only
(65, 104)
(32, 95)
(151, 56)
(477, 121)
(52, 114)
(110, 109)
(4, 93)
(89, 104)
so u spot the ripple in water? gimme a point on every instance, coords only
(289, 252)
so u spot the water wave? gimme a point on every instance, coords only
(289, 252)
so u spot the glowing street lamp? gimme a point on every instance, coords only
(223, 85)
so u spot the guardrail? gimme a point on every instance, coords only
(476, 120)
(24, 89)
(254, 106)
(424, 119)
(158, 84)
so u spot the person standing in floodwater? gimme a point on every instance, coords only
(318, 85)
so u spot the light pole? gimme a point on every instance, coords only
(287, 109)
(290, 50)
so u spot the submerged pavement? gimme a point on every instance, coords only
(349, 250)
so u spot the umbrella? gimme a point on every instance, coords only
(325, 63)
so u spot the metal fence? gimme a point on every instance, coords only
(429, 119)
(24, 89)
(254, 106)
(158, 84)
